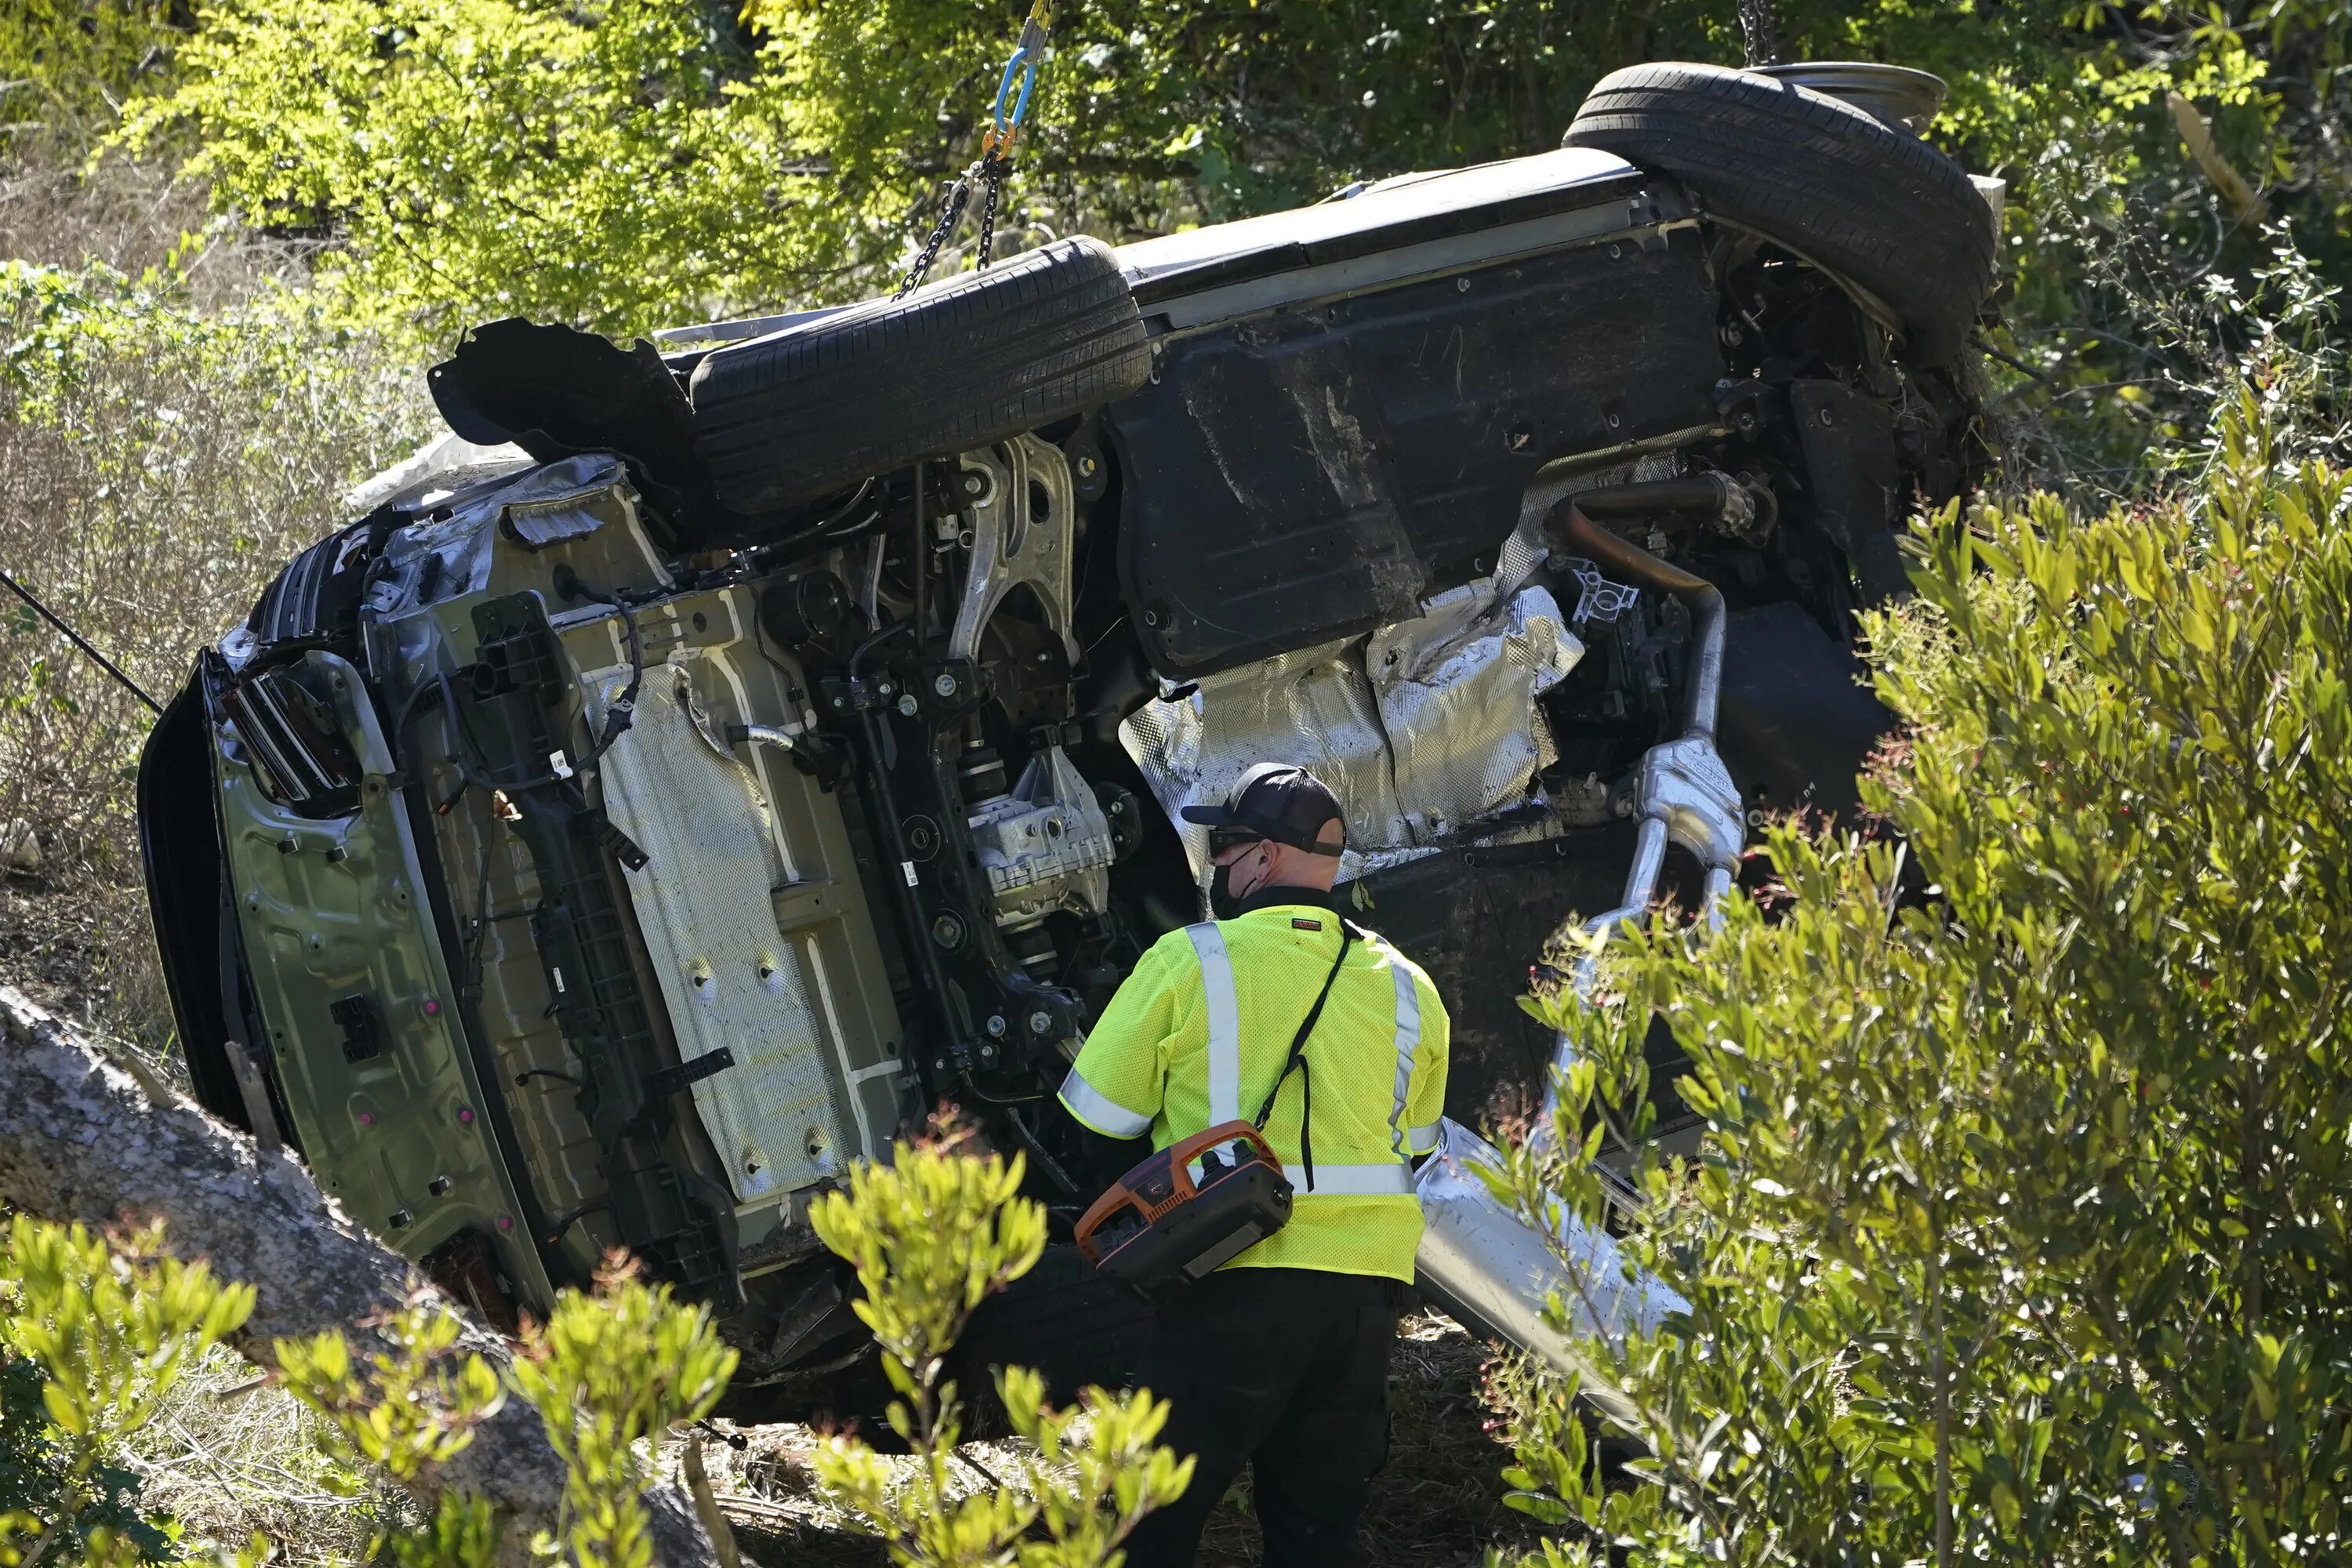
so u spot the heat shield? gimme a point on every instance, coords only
(1423, 729)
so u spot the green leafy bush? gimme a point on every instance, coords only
(66, 66)
(94, 1333)
(631, 164)
(607, 1374)
(2020, 1230)
(403, 1412)
(92, 1338)
(931, 1236)
(598, 163)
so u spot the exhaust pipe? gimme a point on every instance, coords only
(1478, 1257)
(1494, 1273)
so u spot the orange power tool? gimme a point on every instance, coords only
(1188, 1208)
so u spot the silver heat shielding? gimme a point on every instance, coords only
(1422, 727)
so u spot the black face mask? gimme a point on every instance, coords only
(1224, 904)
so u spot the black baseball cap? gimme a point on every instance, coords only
(1276, 801)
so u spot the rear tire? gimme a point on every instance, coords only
(1872, 204)
(959, 363)
(1064, 1319)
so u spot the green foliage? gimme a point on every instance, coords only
(66, 325)
(629, 163)
(1150, 115)
(2020, 1229)
(68, 66)
(931, 1236)
(593, 162)
(408, 1408)
(92, 1338)
(94, 1335)
(607, 1374)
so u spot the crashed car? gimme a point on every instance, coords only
(718, 753)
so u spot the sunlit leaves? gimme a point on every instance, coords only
(104, 1331)
(931, 1235)
(606, 1373)
(632, 164)
(2025, 1199)
(409, 1406)
(590, 162)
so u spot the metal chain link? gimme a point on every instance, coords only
(957, 195)
(1759, 31)
(991, 170)
(992, 167)
(995, 169)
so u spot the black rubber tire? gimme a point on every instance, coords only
(1880, 208)
(956, 365)
(1063, 1319)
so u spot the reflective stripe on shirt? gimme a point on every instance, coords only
(1099, 1111)
(1421, 1139)
(1408, 1040)
(1224, 1022)
(1383, 1180)
(1225, 1072)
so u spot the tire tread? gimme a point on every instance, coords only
(1882, 209)
(956, 365)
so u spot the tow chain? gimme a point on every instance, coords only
(994, 164)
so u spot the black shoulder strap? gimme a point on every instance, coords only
(1297, 1059)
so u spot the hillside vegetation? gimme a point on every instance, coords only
(2021, 1233)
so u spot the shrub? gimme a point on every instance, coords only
(596, 163)
(2020, 1229)
(607, 1376)
(401, 1413)
(931, 1236)
(92, 1338)
(68, 66)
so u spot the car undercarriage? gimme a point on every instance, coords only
(652, 803)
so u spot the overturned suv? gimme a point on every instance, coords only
(717, 754)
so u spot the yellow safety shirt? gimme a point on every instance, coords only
(1199, 1032)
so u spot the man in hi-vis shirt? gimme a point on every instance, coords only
(1280, 1356)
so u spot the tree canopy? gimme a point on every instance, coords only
(625, 163)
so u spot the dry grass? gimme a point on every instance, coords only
(1438, 1503)
(158, 461)
(133, 215)
(230, 1458)
(79, 945)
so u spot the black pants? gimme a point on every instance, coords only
(1289, 1367)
